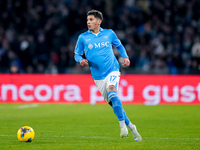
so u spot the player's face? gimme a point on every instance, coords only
(93, 23)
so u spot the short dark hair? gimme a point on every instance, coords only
(96, 13)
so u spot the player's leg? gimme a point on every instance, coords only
(121, 115)
(102, 85)
(133, 128)
(127, 121)
(112, 86)
(116, 104)
(118, 110)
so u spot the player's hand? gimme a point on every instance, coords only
(84, 62)
(126, 62)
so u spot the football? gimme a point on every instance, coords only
(25, 134)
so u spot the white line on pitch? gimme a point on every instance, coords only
(27, 106)
(162, 138)
(168, 138)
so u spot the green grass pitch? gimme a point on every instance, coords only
(95, 127)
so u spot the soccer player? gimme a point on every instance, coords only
(96, 44)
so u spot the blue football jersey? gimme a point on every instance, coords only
(98, 51)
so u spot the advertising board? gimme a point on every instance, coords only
(133, 89)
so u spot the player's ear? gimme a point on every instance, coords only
(99, 21)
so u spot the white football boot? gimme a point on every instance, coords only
(135, 133)
(124, 132)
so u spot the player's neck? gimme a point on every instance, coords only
(96, 31)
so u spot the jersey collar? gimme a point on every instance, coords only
(101, 29)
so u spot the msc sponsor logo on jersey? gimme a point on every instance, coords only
(98, 45)
(102, 44)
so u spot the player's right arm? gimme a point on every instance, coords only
(79, 52)
(84, 62)
(81, 60)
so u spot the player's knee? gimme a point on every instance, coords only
(112, 88)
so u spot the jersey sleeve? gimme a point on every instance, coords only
(115, 40)
(79, 49)
(78, 58)
(117, 43)
(122, 51)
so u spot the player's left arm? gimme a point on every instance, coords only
(126, 62)
(117, 43)
(122, 52)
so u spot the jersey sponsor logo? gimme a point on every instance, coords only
(102, 44)
(88, 39)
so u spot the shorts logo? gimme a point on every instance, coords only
(90, 46)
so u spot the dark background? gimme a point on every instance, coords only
(160, 36)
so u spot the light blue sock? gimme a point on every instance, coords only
(127, 121)
(116, 105)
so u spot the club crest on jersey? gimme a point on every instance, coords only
(90, 46)
(105, 37)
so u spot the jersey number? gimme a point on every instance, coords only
(112, 78)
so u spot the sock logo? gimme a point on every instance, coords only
(115, 103)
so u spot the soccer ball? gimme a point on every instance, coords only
(25, 134)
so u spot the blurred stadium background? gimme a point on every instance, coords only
(39, 36)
